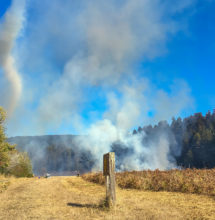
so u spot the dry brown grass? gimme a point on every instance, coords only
(4, 183)
(188, 181)
(73, 198)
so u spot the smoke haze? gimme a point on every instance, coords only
(10, 27)
(84, 51)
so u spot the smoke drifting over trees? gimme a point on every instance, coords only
(79, 52)
(183, 143)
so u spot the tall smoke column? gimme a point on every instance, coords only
(10, 27)
(91, 75)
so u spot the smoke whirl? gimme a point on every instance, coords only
(10, 27)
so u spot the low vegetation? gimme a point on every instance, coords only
(199, 181)
(12, 162)
(4, 183)
(20, 165)
(74, 198)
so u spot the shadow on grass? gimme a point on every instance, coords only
(213, 197)
(101, 206)
(82, 205)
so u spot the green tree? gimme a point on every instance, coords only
(197, 139)
(5, 147)
(189, 158)
(20, 165)
(11, 161)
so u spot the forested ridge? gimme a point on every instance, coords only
(191, 144)
(194, 136)
(58, 154)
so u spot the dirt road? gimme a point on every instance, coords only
(73, 198)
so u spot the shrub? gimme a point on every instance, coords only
(5, 148)
(11, 161)
(20, 165)
(200, 181)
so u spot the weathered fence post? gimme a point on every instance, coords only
(109, 173)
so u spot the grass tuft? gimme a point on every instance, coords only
(4, 183)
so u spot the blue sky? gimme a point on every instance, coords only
(191, 56)
(4, 5)
(185, 54)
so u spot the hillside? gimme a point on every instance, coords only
(57, 154)
(74, 198)
(191, 143)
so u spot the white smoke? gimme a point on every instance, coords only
(129, 110)
(97, 45)
(99, 48)
(10, 27)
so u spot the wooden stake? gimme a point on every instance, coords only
(109, 173)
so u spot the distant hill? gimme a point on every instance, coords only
(25, 142)
(54, 153)
(191, 144)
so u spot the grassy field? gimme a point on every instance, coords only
(4, 183)
(187, 181)
(74, 198)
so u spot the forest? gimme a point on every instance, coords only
(192, 145)
(194, 137)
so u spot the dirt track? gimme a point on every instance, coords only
(73, 198)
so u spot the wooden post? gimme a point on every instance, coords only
(109, 173)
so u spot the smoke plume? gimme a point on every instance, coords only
(10, 27)
(90, 51)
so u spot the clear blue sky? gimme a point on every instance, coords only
(189, 56)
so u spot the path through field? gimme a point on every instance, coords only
(73, 198)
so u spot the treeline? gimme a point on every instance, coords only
(55, 154)
(12, 162)
(191, 143)
(61, 159)
(192, 139)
